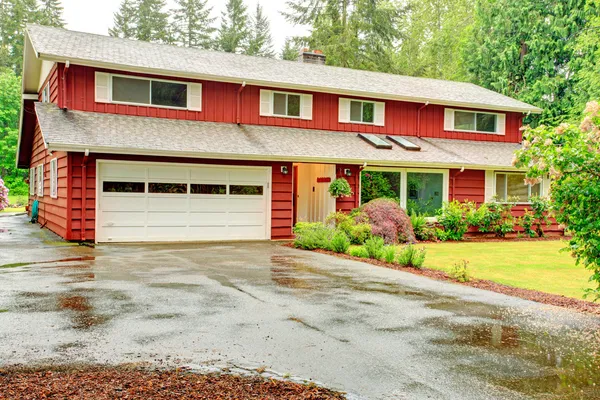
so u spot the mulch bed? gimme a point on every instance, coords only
(527, 294)
(120, 383)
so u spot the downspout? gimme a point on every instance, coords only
(462, 169)
(84, 192)
(357, 198)
(239, 103)
(419, 119)
(64, 85)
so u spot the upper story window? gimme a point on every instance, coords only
(476, 122)
(46, 94)
(361, 112)
(124, 89)
(512, 186)
(285, 104)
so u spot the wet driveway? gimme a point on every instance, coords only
(370, 331)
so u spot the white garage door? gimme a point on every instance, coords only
(174, 202)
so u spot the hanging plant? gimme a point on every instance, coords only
(340, 188)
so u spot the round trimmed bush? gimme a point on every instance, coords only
(389, 221)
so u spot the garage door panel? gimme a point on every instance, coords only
(167, 218)
(123, 202)
(209, 204)
(120, 218)
(208, 174)
(208, 219)
(123, 171)
(207, 214)
(168, 203)
(246, 218)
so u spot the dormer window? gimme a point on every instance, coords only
(124, 89)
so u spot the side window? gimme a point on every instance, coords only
(46, 94)
(40, 180)
(513, 186)
(32, 181)
(475, 122)
(361, 112)
(54, 178)
(284, 104)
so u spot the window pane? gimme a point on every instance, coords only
(177, 188)
(123, 187)
(424, 192)
(516, 187)
(536, 190)
(246, 190)
(356, 111)
(377, 184)
(486, 122)
(207, 189)
(368, 112)
(293, 105)
(464, 121)
(131, 90)
(501, 187)
(279, 103)
(169, 94)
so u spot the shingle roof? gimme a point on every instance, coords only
(112, 133)
(84, 48)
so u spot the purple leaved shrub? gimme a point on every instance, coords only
(389, 221)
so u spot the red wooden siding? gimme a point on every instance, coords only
(346, 204)
(281, 198)
(468, 185)
(53, 79)
(219, 105)
(53, 213)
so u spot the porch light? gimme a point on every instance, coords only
(347, 172)
(284, 169)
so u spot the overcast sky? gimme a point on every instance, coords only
(97, 16)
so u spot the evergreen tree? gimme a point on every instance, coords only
(125, 20)
(233, 34)
(152, 22)
(15, 15)
(192, 24)
(50, 13)
(260, 41)
(289, 52)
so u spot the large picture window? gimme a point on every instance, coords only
(148, 91)
(512, 186)
(420, 191)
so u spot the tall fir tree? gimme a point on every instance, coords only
(16, 14)
(152, 22)
(233, 35)
(50, 13)
(125, 20)
(289, 51)
(192, 24)
(260, 42)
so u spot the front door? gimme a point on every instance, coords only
(313, 201)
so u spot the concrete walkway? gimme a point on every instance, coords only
(370, 331)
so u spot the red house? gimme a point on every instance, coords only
(133, 141)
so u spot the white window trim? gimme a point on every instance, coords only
(110, 92)
(40, 180)
(46, 93)
(453, 129)
(362, 104)
(506, 187)
(404, 180)
(273, 92)
(54, 178)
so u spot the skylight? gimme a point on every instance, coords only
(375, 141)
(405, 144)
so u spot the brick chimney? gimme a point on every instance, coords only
(311, 56)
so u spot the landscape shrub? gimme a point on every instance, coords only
(526, 221)
(354, 225)
(340, 188)
(339, 242)
(541, 209)
(389, 254)
(453, 218)
(389, 221)
(359, 252)
(374, 247)
(497, 217)
(460, 271)
(419, 225)
(410, 256)
(313, 235)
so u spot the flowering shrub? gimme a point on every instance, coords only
(570, 154)
(389, 221)
(460, 271)
(3, 195)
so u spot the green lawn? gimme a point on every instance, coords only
(15, 200)
(529, 265)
